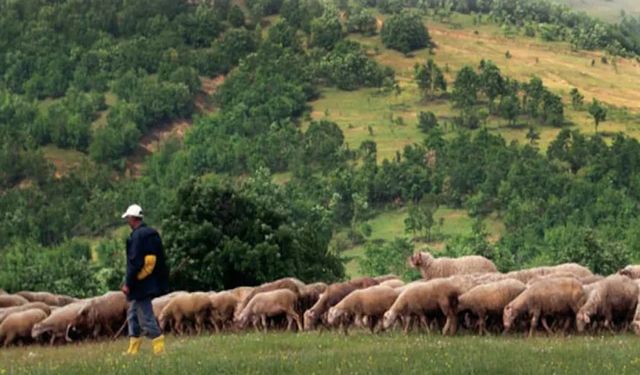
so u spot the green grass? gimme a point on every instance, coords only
(390, 224)
(64, 160)
(332, 353)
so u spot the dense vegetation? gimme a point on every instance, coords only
(93, 77)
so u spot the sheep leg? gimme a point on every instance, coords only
(254, 321)
(407, 323)
(263, 319)
(546, 325)
(179, 327)
(424, 323)
(8, 339)
(482, 325)
(289, 323)
(534, 323)
(296, 317)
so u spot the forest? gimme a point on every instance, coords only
(92, 78)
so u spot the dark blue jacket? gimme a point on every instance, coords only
(145, 241)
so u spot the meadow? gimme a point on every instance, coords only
(333, 353)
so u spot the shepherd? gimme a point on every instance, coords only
(147, 277)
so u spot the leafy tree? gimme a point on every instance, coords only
(465, 88)
(219, 237)
(552, 109)
(429, 78)
(283, 34)
(405, 32)
(509, 108)
(598, 111)
(577, 99)
(427, 121)
(420, 218)
(326, 31)
(236, 16)
(363, 22)
(491, 82)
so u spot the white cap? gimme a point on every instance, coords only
(134, 210)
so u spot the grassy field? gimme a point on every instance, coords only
(390, 224)
(358, 353)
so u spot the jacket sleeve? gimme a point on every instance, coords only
(135, 260)
(149, 265)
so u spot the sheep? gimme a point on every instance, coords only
(2, 292)
(383, 278)
(309, 295)
(393, 283)
(432, 268)
(290, 283)
(562, 295)
(160, 303)
(615, 296)
(11, 300)
(18, 325)
(48, 298)
(370, 302)
(438, 295)
(195, 306)
(59, 323)
(587, 280)
(332, 295)
(538, 278)
(489, 299)
(269, 304)
(631, 271)
(104, 313)
(223, 306)
(574, 269)
(241, 292)
(4, 313)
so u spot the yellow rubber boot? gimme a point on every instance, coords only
(134, 345)
(158, 345)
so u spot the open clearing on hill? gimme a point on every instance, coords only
(608, 10)
(332, 353)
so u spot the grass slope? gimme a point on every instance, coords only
(359, 353)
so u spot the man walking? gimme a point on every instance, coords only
(147, 277)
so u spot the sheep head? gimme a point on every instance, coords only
(389, 319)
(509, 315)
(582, 319)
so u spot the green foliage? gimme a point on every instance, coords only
(326, 31)
(348, 67)
(66, 269)
(598, 111)
(363, 22)
(236, 16)
(427, 121)
(465, 88)
(420, 220)
(388, 257)
(322, 145)
(405, 32)
(573, 243)
(220, 237)
(429, 78)
(577, 99)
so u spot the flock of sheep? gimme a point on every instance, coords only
(465, 293)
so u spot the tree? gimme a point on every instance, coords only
(598, 111)
(552, 109)
(236, 16)
(509, 108)
(427, 121)
(533, 136)
(491, 82)
(465, 88)
(363, 22)
(326, 31)
(221, 237)
(420, 217)
(429, 78)
(577, 99)
(405, 32)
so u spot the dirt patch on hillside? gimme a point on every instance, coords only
(152, 140)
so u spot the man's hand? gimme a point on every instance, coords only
(125, 289)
